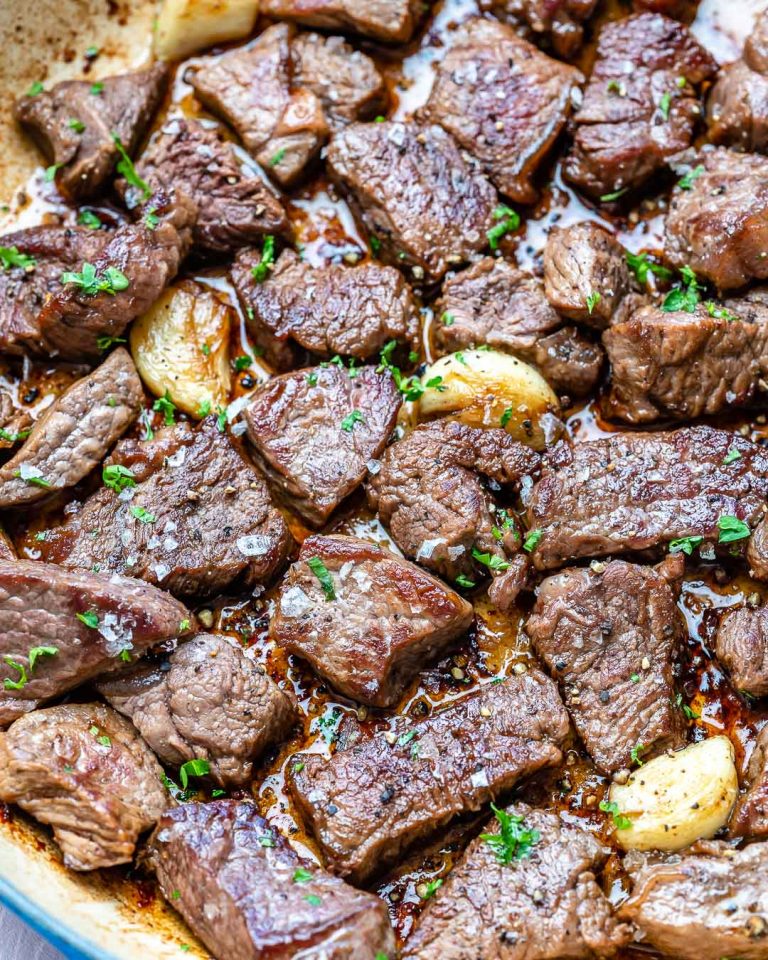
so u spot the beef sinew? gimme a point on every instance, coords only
(750, 815)
(335, 309)
(366, 620)
(193, 517)
(545, 904)
(206, 701)
(741, 644)
(635, 115)
(502, 100)
(737, 106)
(718, 224)
(75, 433)
(314, 431)
(706, 904)
(59, 628)
(426, 202)
(77, 123)
(125, 279)
(428, 494)
(634, 491)
(389, 20)
(610, 636)
(585, 273)
(235, 206)
(683, 365)
(83, 769)
(41, 255)
(247, 895)
(494, 303)
(369, 803)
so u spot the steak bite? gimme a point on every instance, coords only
(750, 815)
(367, 804)
(546, 904)
(83, 769)
(635, 115)
(502, 100)
(719, 224)
(314, 432)
(393, 21)
(585, 273)
(684, 365)
(126, 278)
(334, 309)
(205, 701)
(428, 495)
(425, 200)
(75, 433)
(366, 620)
(706, 904)
(247, 895)
(558, 21)
(741, 644)
(77, 125)
(610, 637)
(59, 628)
(235, 206)
(494, 303)
(737, 106)
(42, 255)
(635, 491)
(250, 88)
(194, 517)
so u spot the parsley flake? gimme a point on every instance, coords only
(143, 515)
(620, 821)
(642, 265)
(126, 168)
(509, 221)
(10, 257)
(513, 841)
(91, 283)
(685, 545)
(320, 570)
(167, 407)
(531, 540)
(118, 477)
(490, 560)
(193, 768)
(731, 529)
(593, 299)
(301, 875)
(261, 271)
(90, 618)
(687, 180)
(348, 423)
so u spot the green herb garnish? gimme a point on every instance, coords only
(514, 841)
(320, 570)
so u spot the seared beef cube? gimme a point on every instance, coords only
(502, 100)
(718, 225)
(75, 433)
(207, 701)
(737, 106)
(192, 520)
(707, 904)
(428, 494)
(684, 365)
(610, 637)
(426, 202)
(235, 206)
(496, 304)
(335, 309)
(750, 815)
(635, 491)
(366, 620)
(741, 644)
(314, 432)
(368, 803)
(59, 628)
(77, 121)
(546, 904)
(585, 273)
(45, 253)
(127, 277)
(247, 895)
(560, 21)
(390, 20)
(84, 770)
(250, 88)
(346, 80)
(635, 115)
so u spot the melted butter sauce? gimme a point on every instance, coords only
(326, 232)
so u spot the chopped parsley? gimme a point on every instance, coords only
(514, 841)
(686, 295)
(464, 581)
(118, 478)
(242, 362)
(430, 888)
(36, 652)
(375, 244)
(91, 283)
(635, 752)
(731, 457)
(506, 416)
(508, 221)
(9, 437)
(278, 157)
(90, 618)
(167, 407)
(610, 197)
(311, 379)
(221, 418)
(490, 560)
(313, 900)
(104, 343)
(22, 671)
(685, 545)
(642, 265)
(731, 529)
(447, 319)
(531, 541)
(36, 89)
(620, 821)
(96, 89)
(126, 168)
(593, 299)
(261, 271)
(143, 515)
(34, 480)
(301, 875)
(687, 180)
(10, 257)
(184, 625)
(193, 768)
(664, 105)
(77, 125)
(50, 172)
(719, 312)
(320, 570)
(204, 409)
(151, 219)
(267, 840)
(348, 423)
(689, 713)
